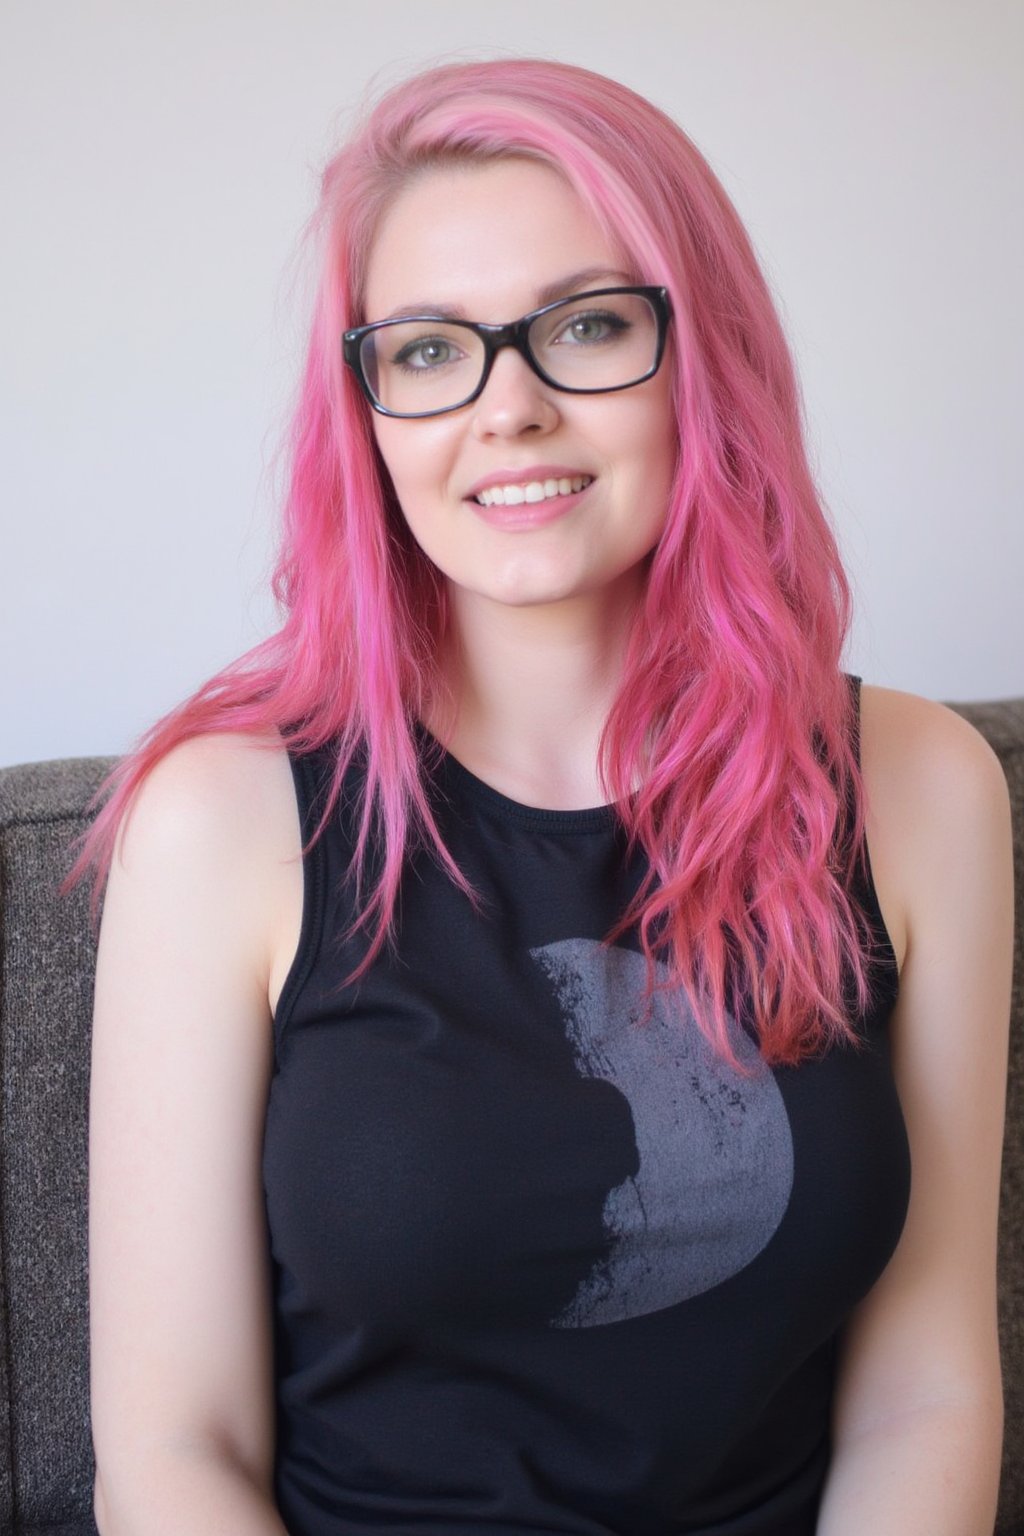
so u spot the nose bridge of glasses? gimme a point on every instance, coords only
(511, 337)
(506, 335)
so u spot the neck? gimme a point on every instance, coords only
(533, 687)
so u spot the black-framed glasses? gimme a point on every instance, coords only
(588, 344)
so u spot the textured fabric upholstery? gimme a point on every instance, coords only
(47, 970)
(1003, 724)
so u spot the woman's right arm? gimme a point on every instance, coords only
(181, 1335)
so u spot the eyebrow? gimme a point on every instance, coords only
(562, 287)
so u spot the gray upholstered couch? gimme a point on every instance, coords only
(46, 984)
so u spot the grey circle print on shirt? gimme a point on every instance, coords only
(715, 1149)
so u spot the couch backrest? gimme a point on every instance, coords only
(1002, 723)
(47, 973)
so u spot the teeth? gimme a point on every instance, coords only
(531, 490)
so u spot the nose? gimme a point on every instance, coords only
(514, 400)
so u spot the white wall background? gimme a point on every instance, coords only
(159, 160)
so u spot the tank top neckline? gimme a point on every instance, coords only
(456, 777)
(596, 818)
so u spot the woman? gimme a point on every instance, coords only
(508, 1068)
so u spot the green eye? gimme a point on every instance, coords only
(434, 352)
(593, 325)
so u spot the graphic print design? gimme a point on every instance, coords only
(715, 1149)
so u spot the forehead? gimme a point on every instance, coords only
(485, 238)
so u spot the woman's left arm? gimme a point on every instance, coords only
(918, 1414)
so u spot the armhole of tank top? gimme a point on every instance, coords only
(886, 954)
(313, 890)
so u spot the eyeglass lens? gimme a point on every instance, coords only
(600, 343)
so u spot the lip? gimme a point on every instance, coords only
(525, 475)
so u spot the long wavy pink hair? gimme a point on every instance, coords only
(732, 713)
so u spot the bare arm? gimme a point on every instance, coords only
(180, 1310)
(918, 1414)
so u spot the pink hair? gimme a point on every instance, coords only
(732, 712)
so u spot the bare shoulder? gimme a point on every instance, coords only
(927, 745)
(229, 780)
(936, 795)
(225, 801)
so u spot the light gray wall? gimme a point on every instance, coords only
(159, 160)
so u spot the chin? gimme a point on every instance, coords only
(547, 597)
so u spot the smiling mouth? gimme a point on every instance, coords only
(531, 491)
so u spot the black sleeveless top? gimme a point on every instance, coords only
(537, 1268)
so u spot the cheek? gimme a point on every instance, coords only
(652, 445)
(664, 442)
(419, 457)
(391, 449)
(657, 466)
(414, 463)
(411, 440)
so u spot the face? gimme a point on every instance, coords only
(488, 239)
